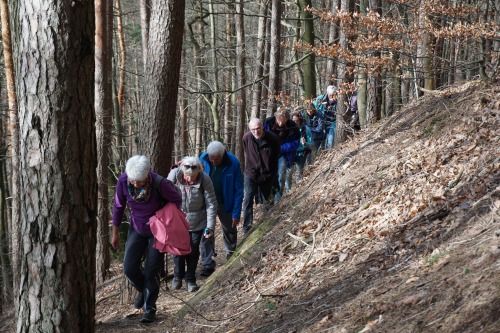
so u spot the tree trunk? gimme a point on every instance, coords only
(161, 80)
(274, 57)
(340, 130)
(240, 74)
(55, 67)
(103, 110)
(6, 284)
(13, 126)
(145, 6)
(330, 64)
(214, 103)
(308, 39)
(120, 96)
(260, 57)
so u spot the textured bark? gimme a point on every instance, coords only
(55, 71)
(228, 82)
(161, 80)
(13, 126)
(145, 6)
(308, 39)
(240, 74)
(214, 103)
(274, 57)
(340, 130)
(260, 52)
(330, 64)
(103, 109)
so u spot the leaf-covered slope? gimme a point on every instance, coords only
(393, 231)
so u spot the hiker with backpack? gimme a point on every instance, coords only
(200, 205)
(289, 137)
(327, 105)
(135, 188)
(225, 171)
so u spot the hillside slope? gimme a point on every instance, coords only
(395, 231)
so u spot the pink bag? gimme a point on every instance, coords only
(171, 230)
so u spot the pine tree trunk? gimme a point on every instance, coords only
(103, 109)
(161, 80)
(55, 71)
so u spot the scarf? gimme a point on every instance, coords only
(140, 194)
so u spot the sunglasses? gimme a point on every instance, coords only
(193, 167)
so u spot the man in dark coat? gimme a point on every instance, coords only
(262, 150)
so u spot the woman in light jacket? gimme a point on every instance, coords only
(200, 205)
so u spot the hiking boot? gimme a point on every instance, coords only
(176, 283)
(192, 287)
(148, 317)
(139, 301)
(206, 271)
(246, 229)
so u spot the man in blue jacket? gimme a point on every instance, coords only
(225, 171)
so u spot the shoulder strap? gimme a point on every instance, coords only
(158, 181)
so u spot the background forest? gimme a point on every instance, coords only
(86, 85)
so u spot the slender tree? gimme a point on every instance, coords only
(55, 73)
(103, 109)
(308, 39)
(274, 58)
(14, 148)
(240, 74)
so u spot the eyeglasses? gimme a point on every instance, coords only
(193, 167)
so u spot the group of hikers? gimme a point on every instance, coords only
(212, 185)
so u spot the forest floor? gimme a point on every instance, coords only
(396, 230)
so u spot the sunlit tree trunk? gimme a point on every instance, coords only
(183, 108)
(374, 85)
(161, 80)
(340, 130)
(214, 103)
(103, 109)
(362, 77)
(330, 64)
(274, 57)
(240, 74)
(13, 126)
(145, 7)
(260, 57)
(308, 39)
(229, 77)
(55, 71)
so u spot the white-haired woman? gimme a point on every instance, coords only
(200, 205)
(329, 110)
(135, 188)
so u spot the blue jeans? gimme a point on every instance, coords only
(189, 260)
(330, 135)
(283, 177)
(146, 281)
(253, 189)
(230, 236)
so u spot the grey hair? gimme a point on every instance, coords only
(137, 167)
(330, 90)
(191, 160)
(215, 148)
(254, 121)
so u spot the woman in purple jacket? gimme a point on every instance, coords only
(136, 189)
